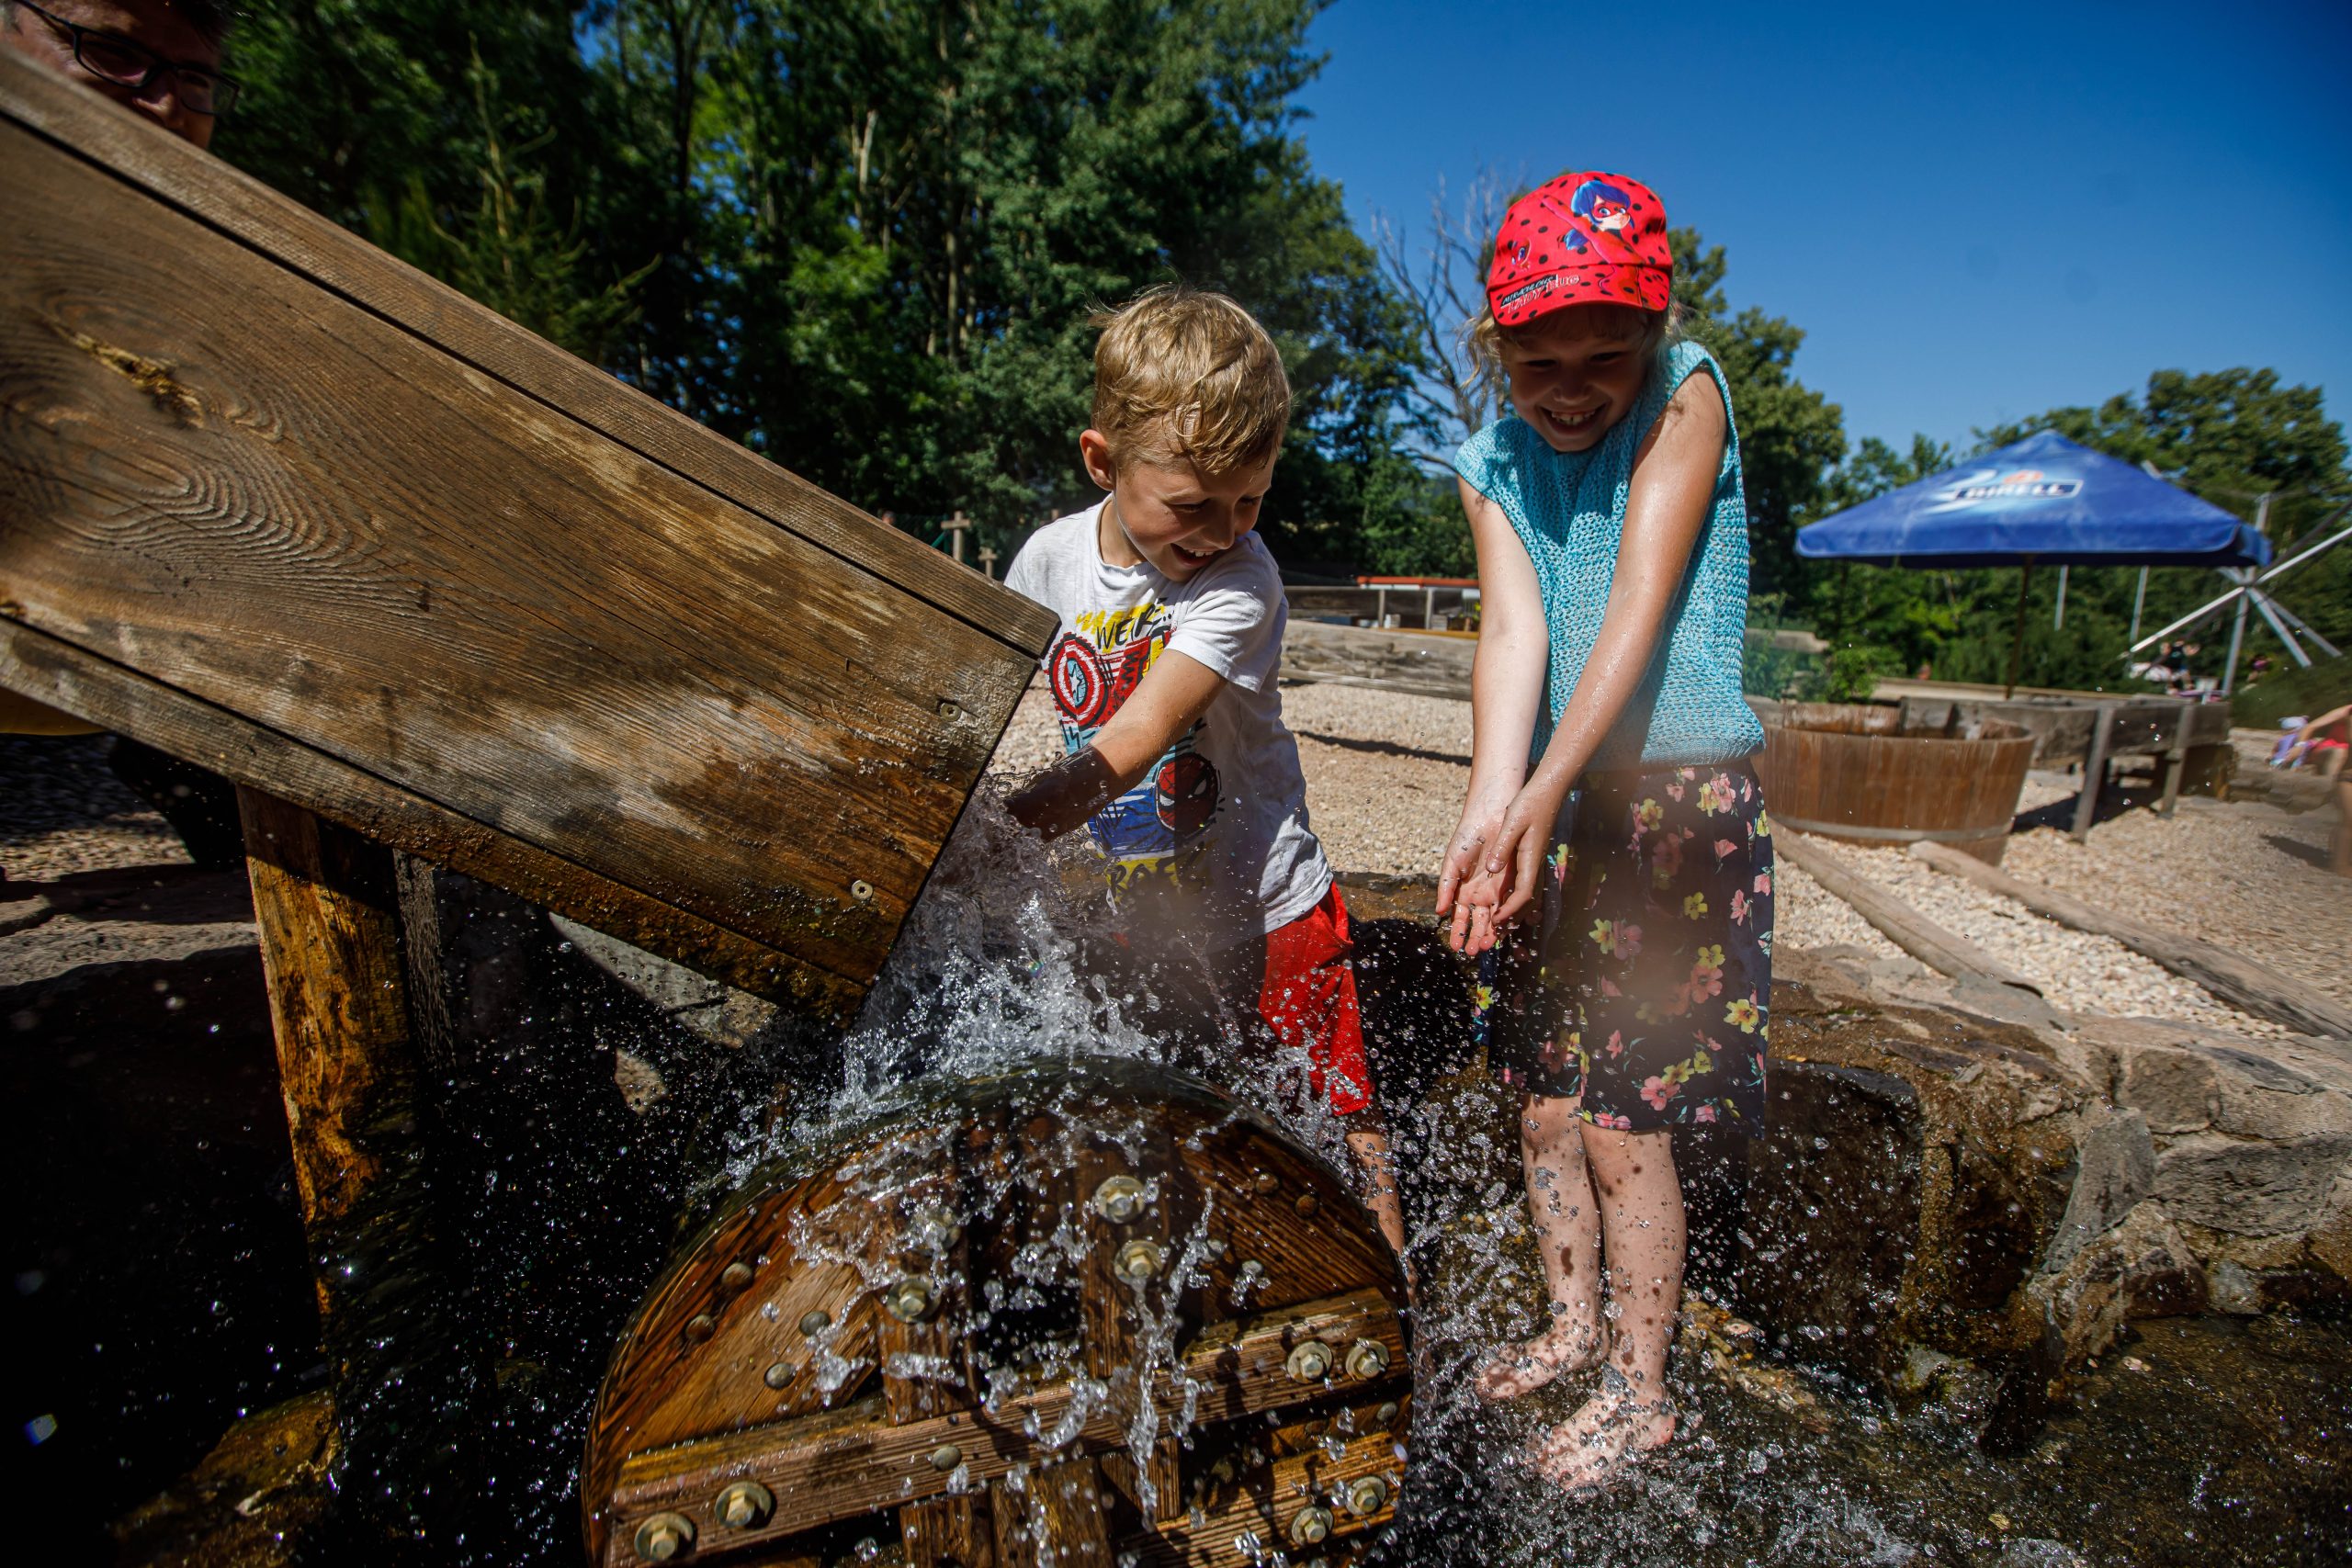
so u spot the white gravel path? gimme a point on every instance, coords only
(2077, 971)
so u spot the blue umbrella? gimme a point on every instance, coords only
(2042, 501)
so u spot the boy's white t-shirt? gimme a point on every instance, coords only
(1222, 817)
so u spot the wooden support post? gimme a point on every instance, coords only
(2094, 771)
(987, 561)
(2176, 762)
(350, 1060)
(2017, 640)
(957, 527)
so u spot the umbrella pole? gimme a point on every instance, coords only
(2016, 646)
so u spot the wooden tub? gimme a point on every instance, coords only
(1852, 773)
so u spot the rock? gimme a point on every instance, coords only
(1834, 1201)
(2141, 1267)
(2039, 1552)
(2261, 1096)
(2331, 1239)
(2172, 1087)
(2249, 1188)
(2115, 1167)
(2004, 1004)
(2234, 1289)
(718, 1012)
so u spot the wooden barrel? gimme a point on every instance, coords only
(1851, 772)
(1087, 1313)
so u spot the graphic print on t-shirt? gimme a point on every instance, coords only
(1160, 827)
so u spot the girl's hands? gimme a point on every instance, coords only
(1493, 869)
(1466, 864)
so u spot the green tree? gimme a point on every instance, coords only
(1789, 434)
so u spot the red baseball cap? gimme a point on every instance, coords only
(1580, 239)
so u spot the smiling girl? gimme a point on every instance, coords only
(1613, 864)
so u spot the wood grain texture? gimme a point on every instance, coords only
(841, 1463)
(2235, 978)
(123, 700)
(1938, 947)
(1056, 1518)
(223, 475)
(164, 166)
(1881, 786)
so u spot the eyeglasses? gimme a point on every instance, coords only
(110, 56)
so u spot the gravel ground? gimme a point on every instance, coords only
(1385, 778)
(2077, 971)
(2247, 875)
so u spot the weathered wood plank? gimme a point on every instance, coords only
(1940, 949)
(119, 699)
(242, 207)
(1244, 1524)
(225, 476)
(2235, 978)
(326, 903)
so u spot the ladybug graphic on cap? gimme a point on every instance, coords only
(1081, 690)
(1602, 205)
(1185, 792)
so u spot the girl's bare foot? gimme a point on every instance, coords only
(1570, 1345)
(1613, 1431)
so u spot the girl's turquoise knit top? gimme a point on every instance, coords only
(1568, 509)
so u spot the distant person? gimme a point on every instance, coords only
(2324, 743)
(161, 59)
(1163, 678)
(1613, 864)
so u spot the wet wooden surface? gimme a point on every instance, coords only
(255, 462)
(355, 1087)
(965, 1422)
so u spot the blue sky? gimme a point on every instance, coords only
(1975, 213)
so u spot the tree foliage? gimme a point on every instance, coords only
(865, 238)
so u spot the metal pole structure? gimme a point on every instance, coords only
(2297, 622)
(2237, 633)
(2262, 604)
(2058, 619)
(2237, 627)
(2138, 601)
(2016, 646)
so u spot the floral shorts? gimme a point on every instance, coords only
(1642, 980)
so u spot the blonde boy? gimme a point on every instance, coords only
(1163, 677)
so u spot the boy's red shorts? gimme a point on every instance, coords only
(1309, 997)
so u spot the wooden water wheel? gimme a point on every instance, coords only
(1085, 1314)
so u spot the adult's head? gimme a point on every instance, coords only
(161, 56)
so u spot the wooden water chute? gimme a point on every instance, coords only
(414, 580)
(1082, 1313)
(279, 505)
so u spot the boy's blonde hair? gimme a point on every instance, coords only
(1186, 375)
